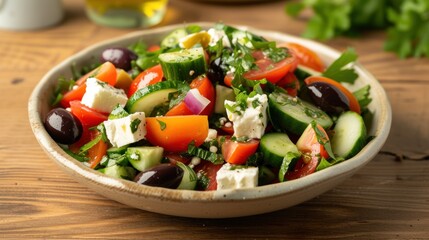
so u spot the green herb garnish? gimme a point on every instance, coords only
(215, 158)
(340, 69)
(162, 125)
(135, 125)
(406, 22)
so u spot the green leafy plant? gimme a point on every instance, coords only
(406, 21)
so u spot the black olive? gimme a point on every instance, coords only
(163, 175)
(120, 57)
(215, 72)
(63, 126)
(329, 98)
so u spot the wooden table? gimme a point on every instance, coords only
(388, 199)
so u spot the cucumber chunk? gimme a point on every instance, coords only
(146, 99)
(183, 65)
(275, 146)
(223, 93)
(145, 157)
(172, 39)
(118, 171)
(293, 114)
(349, 135)
(189, 179)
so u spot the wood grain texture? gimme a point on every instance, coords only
(387, 199)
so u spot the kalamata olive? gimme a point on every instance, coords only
(163, 175)
(215, 71)
(329, 98)
(63, 126)
(120, 57)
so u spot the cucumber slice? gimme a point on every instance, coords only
(292, 114)
(183, 65)
(275, 146)
(145, 99)
(189, 179)
(172, 39)
(223, 93)
(349, 135)
(145, 157)
(118, 171)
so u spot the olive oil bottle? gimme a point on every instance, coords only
(126, 13)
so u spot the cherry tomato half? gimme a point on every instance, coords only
(106, 72)
(272, 71)
(148, 77)
(238, 152)
(209, 171)
(206, 89)
(306, 57)
(86, 115)
(290, 83)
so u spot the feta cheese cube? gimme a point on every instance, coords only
(217, 35)
(236, 177)
(250, 122)
(102, 97)
(126, 130)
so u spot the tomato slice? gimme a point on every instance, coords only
(153, 48)
(106, 72)
(181, 109)
(311, 150)
(228, 79)
(97, 152)
(206, 89)
(238, 152)
(148, 77)
(86, 115)
(209, 170)
(74, 94)
(228, 130)
(272, 71)
(306, 57)
(308, 144)
(85, 138)
(290, 83)
(303, 168)
(353, 102)
(175, 133)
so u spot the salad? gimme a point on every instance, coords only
(213, 109)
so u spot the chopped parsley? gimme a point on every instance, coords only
(135, 125)
(162, 124)
(215, 158)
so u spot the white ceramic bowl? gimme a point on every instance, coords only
(212, 204)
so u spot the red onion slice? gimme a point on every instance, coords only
(195, 101)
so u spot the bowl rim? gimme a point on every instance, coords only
(75, 167)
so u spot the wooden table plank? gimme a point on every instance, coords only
(387, 199)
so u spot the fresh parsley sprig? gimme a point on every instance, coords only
(406, 21)
(340, 70)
